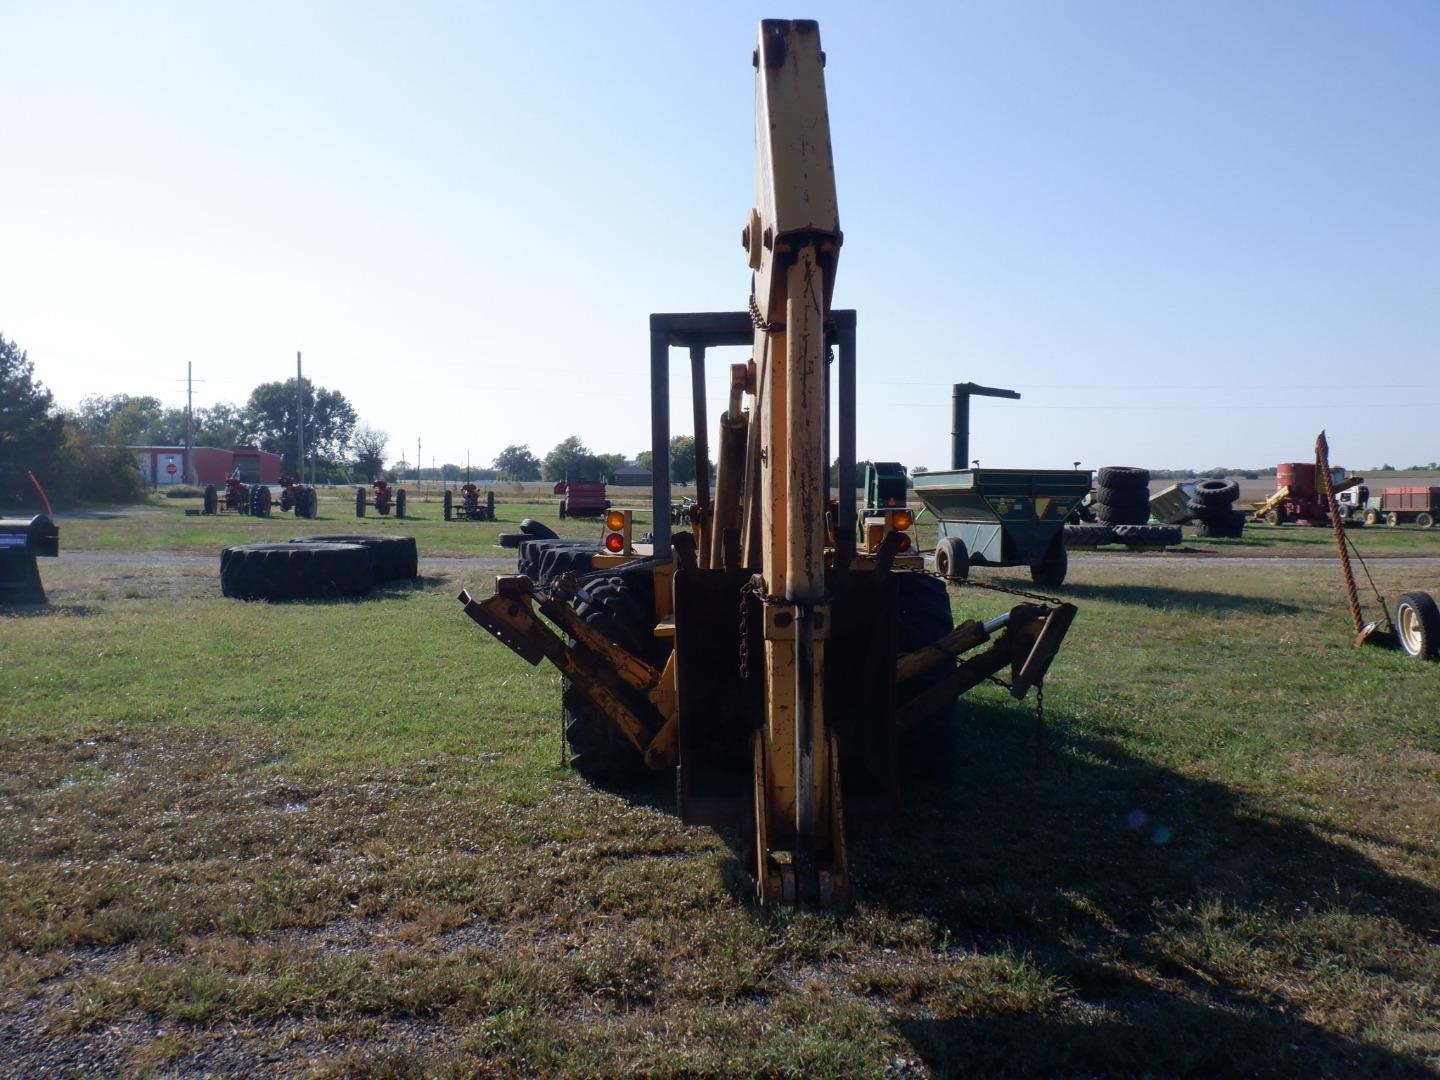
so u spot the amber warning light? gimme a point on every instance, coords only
(617, 532)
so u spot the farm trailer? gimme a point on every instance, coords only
(1418, 506)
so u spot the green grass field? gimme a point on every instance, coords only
(338, 839)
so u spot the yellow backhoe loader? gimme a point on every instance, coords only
(776, 651)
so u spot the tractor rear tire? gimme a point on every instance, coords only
(1417, 625)
(294, 571)
(952, 558)
(447, 501)
(212, 500)
(263, 501)
(1129, 497)
(1122, 476)
(1216, 493)
(1148, 535)
(539, 530)
(360, 502)
(622, 607)
(1049, 573)
(392, 558)
(922, 617)
(510, 539)
(1090, 535)
(400, 503)
(561, 558)
(1122, 514)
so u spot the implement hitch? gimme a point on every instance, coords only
(626, 689)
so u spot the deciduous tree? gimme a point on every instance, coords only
(571, 460)
(517, 463)
(368, 445)
(272, 422)
(31, 432)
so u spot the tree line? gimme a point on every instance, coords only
(571, 459)
(81, 453)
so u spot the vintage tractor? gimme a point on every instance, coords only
(471, 506)
(385, 498)
(763, 655)
(238, 498)
(298, 497)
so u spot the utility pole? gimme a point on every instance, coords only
(191, 475)
(417, 460)
(300, 417)
(189, 422)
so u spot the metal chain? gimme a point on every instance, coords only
(745, 591)
(972, 584)
(759, 320)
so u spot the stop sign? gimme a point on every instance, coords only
(170, 468)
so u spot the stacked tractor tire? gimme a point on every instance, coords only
(1122, 513)
(1213, 508)
(316, 567)
(1122, 495)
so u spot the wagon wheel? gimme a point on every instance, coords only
(1417, 625)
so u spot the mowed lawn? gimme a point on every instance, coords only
(339, 839)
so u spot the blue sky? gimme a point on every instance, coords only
(1188, 234)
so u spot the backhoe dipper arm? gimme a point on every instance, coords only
(792, 241)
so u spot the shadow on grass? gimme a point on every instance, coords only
(1170, 598)
(1098, 867)
(1154, 899)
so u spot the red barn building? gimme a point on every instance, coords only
(164, 465)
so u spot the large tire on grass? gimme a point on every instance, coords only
(1090, 535)
(211, 505)
(294, 571)
(400, 503)
(952, 559)
(263, 500)
(312, 504)
(359, 502)
(1221, 528)
(539, 530)
(392, 558)
(1417, 625)
(1148, 535)
(622, 607)
(510, 540)
(447, 501)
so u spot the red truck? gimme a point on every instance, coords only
(582, 498)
